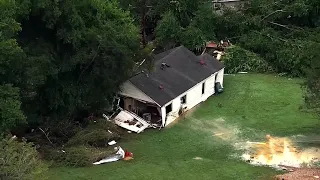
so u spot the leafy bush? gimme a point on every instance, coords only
(19, 161)
(82, 148)
(96, 138)
(77, 156)
(74, 156)
(97, 134)
(238, 59)
(11, 114)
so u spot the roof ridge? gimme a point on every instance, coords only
(175, 49)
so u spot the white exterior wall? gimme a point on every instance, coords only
(220, 75)
(129, 90)
(194, 97)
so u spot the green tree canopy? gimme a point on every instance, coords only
(168, 31)
(11, 56)
(62, 57)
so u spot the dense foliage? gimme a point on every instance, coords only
(283, 35)
(19, 161)
(61, 61)
(62, 57)
(238, 59)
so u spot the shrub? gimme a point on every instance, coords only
(19, 161)
(77, 156)
(97, 134)
(82, 149)
(11, 114)
(238, 59)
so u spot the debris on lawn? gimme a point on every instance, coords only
(128, 156)
(120, 154)
(197, 158)
(300, 174)
(278, 152)
(131, 121)
(112, 143)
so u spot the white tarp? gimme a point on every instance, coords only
(131, 121)
(119, 155)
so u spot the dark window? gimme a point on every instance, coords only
(183, 99)
(168, 108)
(203, 86)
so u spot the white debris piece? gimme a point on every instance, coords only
(105, 116)
(131, 121)
(112, 143)
(119, 155)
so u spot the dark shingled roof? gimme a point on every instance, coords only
(185, 71)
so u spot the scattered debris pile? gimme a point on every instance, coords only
(278, 152)
(130, 121)
(217, 50)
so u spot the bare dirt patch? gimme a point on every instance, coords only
(300, 174)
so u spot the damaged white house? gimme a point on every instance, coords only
(179, 81)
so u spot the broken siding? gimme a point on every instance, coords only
(124, 117)
(129, 90)
(174, 114)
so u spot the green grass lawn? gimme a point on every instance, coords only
(254, 105)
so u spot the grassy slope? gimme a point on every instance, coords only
(257, 104)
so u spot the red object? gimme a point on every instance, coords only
(211, 45)
(128, 154)
(161, 87)
(202, 62)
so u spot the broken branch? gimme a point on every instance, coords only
(281, 25)
(280, 10)
(46, 135)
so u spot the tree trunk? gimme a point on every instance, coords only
(143, 23)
